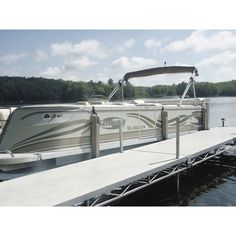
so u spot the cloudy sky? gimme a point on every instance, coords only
(84, 55)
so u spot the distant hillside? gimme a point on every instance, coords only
(34, 90)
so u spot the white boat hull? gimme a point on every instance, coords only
(30, 138)
(34, 134)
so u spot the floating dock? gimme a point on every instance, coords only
(102, 180)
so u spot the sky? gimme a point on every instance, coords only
(99, 55)
(84, 55)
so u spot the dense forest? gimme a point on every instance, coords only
(35, 90)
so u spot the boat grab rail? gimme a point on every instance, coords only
(39, 156)
(3, 150)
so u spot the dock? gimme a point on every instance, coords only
(100, 181)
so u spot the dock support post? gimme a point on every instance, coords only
(205, 117)
(164, 124)
(177, 137)
(177, 147)
(122, 92)
(120, 135)
(177, 189)
(95, 125)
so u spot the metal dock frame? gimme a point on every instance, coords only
(149, 178)
(100, 181)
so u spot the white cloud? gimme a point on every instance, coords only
(12, 57)
(40, 55)
(200, 41)
(51, 72)
(78, 63)
(225, 73)
(152, 44)
(220, 59)
(125, 64)
(89, 47)
(218, 68)
(134, 63)
(80, 55)
(126, 45)
(217, 74)
(61, 49)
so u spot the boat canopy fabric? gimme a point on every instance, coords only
(161, 70)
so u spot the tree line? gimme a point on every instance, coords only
(42, 90)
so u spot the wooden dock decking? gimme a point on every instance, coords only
(71, 184)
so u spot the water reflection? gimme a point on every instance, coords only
(205, 185)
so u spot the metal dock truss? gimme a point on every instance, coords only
(100, 181)
(152, 178)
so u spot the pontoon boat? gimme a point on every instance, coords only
(32, 134)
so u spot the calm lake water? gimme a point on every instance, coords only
(205, 185)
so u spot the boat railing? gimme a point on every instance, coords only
(3, 150)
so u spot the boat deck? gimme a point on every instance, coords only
(75, 183)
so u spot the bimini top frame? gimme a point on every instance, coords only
(156, 71)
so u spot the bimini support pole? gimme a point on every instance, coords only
(119, 85)
(186, 90)
(191, 82)
(155, 71)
